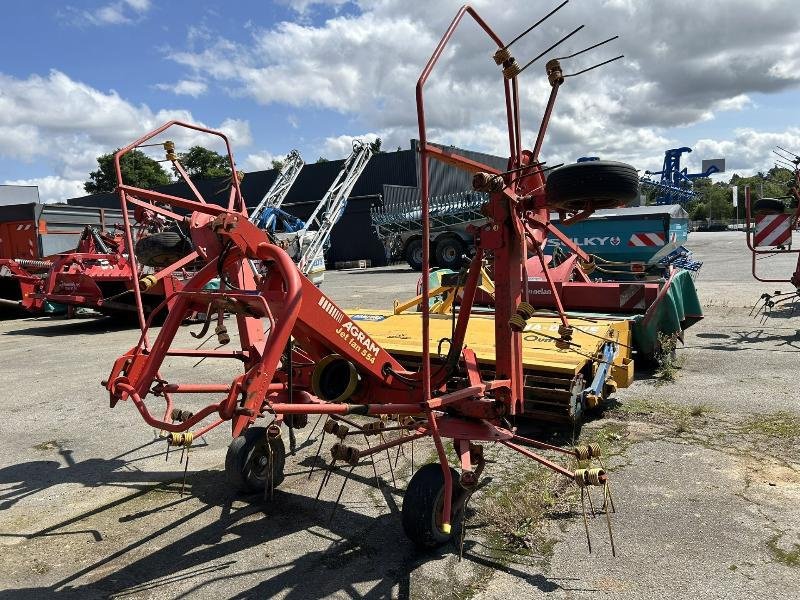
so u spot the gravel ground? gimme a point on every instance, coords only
(706, 480)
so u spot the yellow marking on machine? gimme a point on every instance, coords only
(399, 334)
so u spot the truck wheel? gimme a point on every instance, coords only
(413, 254)
(449, 251)
(768, 206)
(592, 185)
(162, 249)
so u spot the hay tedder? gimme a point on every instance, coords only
(98, 273)
(770, 223)
(301, 354)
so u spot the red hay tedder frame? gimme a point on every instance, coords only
(302, 355)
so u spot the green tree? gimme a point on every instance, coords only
(277, 164)
(719, 202)
(322, 159)
(376, 146)
(202, 163)
(698, 211)
(649, 198)
(138, 170)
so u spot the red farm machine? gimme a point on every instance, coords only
(77, 258)
(33, 237)
(301, 354)
(770, 224)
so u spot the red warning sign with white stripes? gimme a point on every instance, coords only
(647, 239)
(773, 230)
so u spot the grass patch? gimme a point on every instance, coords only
(612, 437)
(698, 410)
(648, 410)
(516, 510)
(678, 419)
(779, 425)
(790, 558)
(683, 425)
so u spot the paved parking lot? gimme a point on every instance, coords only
(706, 479)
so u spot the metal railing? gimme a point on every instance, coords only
(403, 213)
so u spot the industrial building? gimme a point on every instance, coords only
(353, 238)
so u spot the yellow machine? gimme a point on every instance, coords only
(559, 383)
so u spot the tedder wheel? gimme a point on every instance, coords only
(253, 460)
(594, 185)
(162, 249)
(768, 206)
(422, 506)
(449, 250)
(414, 254)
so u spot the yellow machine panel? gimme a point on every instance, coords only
(550, 373)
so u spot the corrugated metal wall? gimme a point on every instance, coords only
(61, 225)
(39, 230)
(445, 179)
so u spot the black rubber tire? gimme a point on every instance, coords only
(449, 250)
(161, 249)
(422, 504)
(413, 253)
(768, 206)
(242, 462)
(592, 185)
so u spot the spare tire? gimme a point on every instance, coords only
(768, 206)
(162, 249)
(592, 185)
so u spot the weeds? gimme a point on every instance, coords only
(780, 425)
(667, 364)
(790, 558)
(516, 510)
(679, 419)
(698, 410)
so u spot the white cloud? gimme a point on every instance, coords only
(121, 12)
(139, 5)
(337, 147)
(185, 87)
(739, 102)
(52, 188)
(302, 6)
(748, 150)
(682, 67)
(260, 161)
(68, 124)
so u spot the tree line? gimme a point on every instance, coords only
(139, 170)
(715, 200)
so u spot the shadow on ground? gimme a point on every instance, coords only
(757, 338)
(58, 326)
(353, 551)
